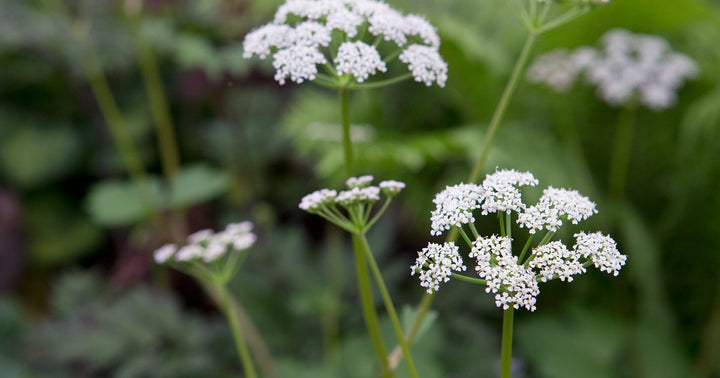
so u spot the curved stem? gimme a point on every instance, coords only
(525, 248)
(347, 142)
(396, 355)
(468, 279)
(389, 306)
(506, 348)
(382, 83)
(237, 333)
(622, 148)
(368, 306)
(502, 106)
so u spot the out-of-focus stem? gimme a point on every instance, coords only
(389, 306)
(620, 159)
(502, 107)
(368, 306)
(237, 333)
(254, 339)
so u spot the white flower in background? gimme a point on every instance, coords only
(626, 67)
(454, 207)
(316, 200)
(554, 206)
(555, 69)
(602, 251)
(299, 39)
(359, 182)
(367, 194)
(513, 278)
(351, 209)
(391, 187)
(209, 246)
(502, 190)
(435, 263)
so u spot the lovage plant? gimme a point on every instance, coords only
(512, 273)
(213, 258)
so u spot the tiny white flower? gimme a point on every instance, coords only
(200, 236)
(502, 193)
(425, 64)
(391, 187)
(553, 206)
(317, 200)
(300, 39)
(601, 250)
(454, 207)
(435, 263)
(556, 69)
(164, 253)
(555, 260)
(358, 195)
(297, 62)
(359, 182)
(513, 284)
(358, 59)
(189, 252)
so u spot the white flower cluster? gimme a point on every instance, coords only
(553, 206)
(435, 264)
(302, 29)
(626, 67)
(513, 284)
(359, 192)
(209, 246)
(499, 191)
(602, 251)
(555, 260)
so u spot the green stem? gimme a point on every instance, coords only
(368, 306)
(468, 279)
(525, 248)
(621, 152)
(382, 83)
(389, 306)
(506, 348)
(347, 142)
(167, 140)
(508, 224)
(237, 333)
(502, 106)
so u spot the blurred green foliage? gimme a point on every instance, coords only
(251, 149)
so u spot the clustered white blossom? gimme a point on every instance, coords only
(626, 67)
(513, 284)
(553, 206)
(301, 35)
(209, 246)
(435, 264)
(514, 279)
(357, 201)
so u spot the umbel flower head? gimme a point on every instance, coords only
(351, 209)
(513, 278)
(346, 38)
(210, 255)
(626, 67)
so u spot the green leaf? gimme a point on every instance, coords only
(116, 203)
(197, 183)
(32, 156)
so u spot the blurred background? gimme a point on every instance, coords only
(92, 91)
